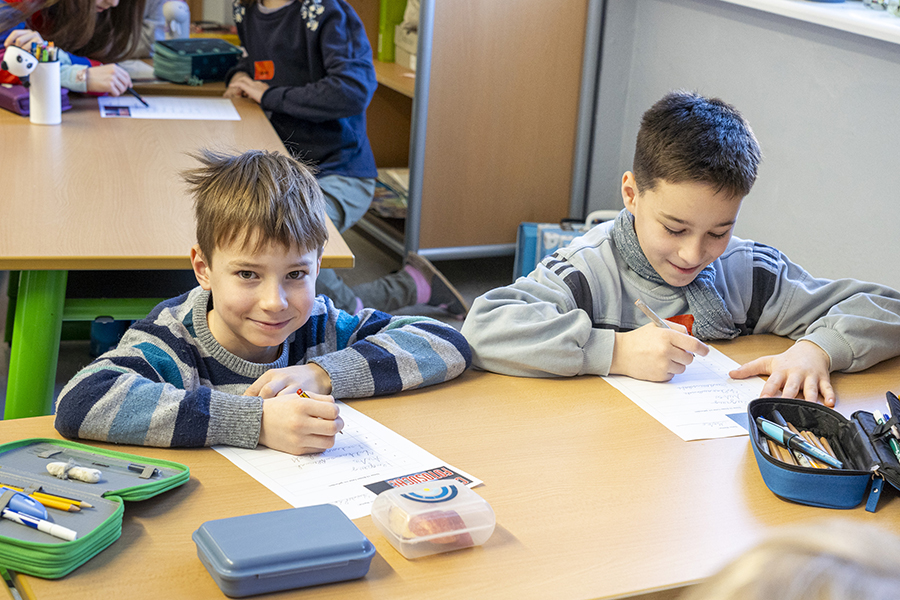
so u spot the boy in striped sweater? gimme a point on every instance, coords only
(226, 362)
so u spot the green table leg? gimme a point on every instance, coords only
(35, 343)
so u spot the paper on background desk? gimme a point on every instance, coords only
(367, 458)
(194, 108)
(696, 404)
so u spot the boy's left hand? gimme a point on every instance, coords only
(802, 367)
(276, 382)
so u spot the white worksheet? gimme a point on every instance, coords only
(701, 403)
(194, 108)
(367, 458)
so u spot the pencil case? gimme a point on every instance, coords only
(859, 443)
(122, 477)
(283, 549)
(194, 60)
(16, 98)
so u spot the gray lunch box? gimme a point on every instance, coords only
(281, 550)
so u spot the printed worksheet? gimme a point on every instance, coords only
(367, 459)
(195, 108)
(701, 403)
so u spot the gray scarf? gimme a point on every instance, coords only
(712, 320)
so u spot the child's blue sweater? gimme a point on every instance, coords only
(316, 58)
(170, 383)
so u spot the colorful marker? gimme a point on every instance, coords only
(895, 447)
(793, 441)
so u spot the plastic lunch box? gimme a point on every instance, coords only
(433, 517)
(284, 549)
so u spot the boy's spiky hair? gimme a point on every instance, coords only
(254, 199)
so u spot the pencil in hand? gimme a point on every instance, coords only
(303, 394)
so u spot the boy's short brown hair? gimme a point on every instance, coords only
(686, 137)
(257, 198)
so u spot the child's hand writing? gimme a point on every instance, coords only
(804, 367)
(107, 79)
(23, 38)
(297, 425)
(275, 382)
(652, 353)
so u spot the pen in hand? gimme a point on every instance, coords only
(650, 314)
(138, 96)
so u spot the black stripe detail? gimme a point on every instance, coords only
(764, 282)
(581, 291)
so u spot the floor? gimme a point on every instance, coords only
(472, 277)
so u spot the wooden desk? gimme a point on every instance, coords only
(593, 498)
(98, 193)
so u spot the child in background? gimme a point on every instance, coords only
(694, 161)
(830, 560)
(309, 66)
(100, 30)
(225, 362)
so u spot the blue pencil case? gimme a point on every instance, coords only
(860, 443)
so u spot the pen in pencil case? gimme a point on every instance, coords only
(794, 441)
(63, 533)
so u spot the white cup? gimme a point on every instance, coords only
(44, 95)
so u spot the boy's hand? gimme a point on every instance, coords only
(802, 367)
(22, 38)
(299, 425)
(286, 381)
(652, 353)
(241, 86)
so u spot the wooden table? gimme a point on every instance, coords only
(96, 193)
(593, 498)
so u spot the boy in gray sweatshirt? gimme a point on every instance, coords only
(695, 160)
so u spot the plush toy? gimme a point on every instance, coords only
(19, 62)
(178, 19)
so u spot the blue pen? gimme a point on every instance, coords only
(23, 504)
(792, 441)
(63, 533)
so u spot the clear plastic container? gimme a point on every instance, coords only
(428, 518)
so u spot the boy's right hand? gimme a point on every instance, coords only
(297, 425)
(652, 353)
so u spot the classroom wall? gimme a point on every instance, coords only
(825, 105)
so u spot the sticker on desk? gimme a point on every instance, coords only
(193, 108)
(367, 458)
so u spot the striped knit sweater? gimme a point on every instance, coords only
(170, 383)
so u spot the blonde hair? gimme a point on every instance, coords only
(255, 199)
(830, 560)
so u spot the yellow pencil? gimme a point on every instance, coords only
(52, 501)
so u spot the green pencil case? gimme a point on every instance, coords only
(122, 477)
(194, 61)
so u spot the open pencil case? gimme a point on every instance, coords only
(860, 443)
(23, 468)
